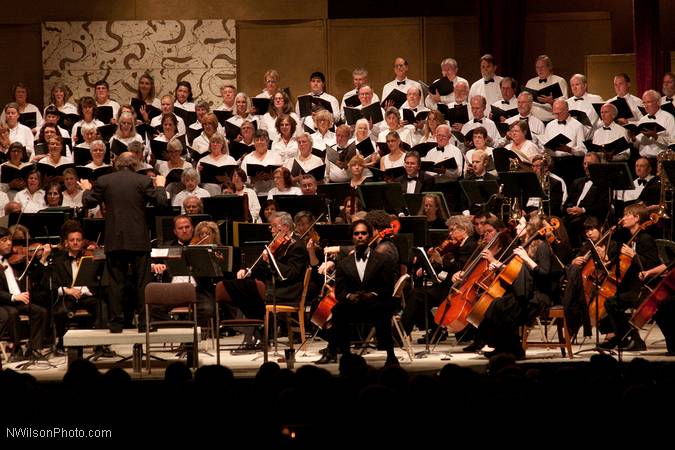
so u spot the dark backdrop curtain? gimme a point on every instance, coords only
(650, 60)
(502, 32)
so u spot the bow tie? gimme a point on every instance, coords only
(587, 179)
(651, 116)
(361, 254)
(414, 110)
(562, 122)
(542, 81)
(606, 128)
(669, 99)
(491, 80)
(72, 258)
(440, 149)
(399, 83)
(412, 179)
(641, 181)
(577, 99)
(522, 118)
(3, 263)
(477, 120)
(505, 102)
(459, 105)
(478, 178)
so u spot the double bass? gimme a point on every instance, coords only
(505, 277)
(453, 311)
(647, 309)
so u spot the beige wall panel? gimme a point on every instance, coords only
(374, 44)
(242, 10)
(600, 71)
(294, 49)
(452, 37)
(566, 38)
(19, 44)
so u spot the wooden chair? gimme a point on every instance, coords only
(294, 323)
(555, 314)
(171, 295)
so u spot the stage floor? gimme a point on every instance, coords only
(245, 366)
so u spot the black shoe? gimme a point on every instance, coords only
(327, 358)
(104, 351)
(115, 330)
(440, 337)
(59, 351)
(250, 346)
(141, 328)
(391, 361)
(473, 347)
(610, 344)
(634, 345)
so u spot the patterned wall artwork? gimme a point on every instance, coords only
(78, 54)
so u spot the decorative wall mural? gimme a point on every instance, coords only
(78, 54)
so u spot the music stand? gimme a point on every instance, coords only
(611, 176)
(94, 229)
(293, 204)
(479, 193)
(43, 227)
(597, 283)
(335, 194)
(334, 234)
(413, 202)
(251, 233)
(381, 195)
(417, 226)
(429, 275)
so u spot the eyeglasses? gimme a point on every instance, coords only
(360, 233)
(204, 233)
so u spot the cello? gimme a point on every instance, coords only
(505, 277)
(650, 305)
(588, 267)
(453, 311)
(608, 288)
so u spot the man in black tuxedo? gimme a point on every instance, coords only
(585, 199)
(364, 283)
(476, 171)
(127, 239)
(541, 166)
(414, 182)
(13, 302)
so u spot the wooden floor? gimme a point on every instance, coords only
(444, 353)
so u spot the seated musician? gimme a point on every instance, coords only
(575, 298)
(447, 260)
(530, 292)
(643, 256)
(14, 301)
(665, 314)
(364, 282)
(291, 257)
(303, 222)
(65, 266)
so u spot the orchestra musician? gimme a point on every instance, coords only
(643, 256)
(364, 283)
(291, 257)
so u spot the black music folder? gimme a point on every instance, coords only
(449, 163)
(28, 119)
(40, 149)
(106, 132)
(395, 172)
(67, 121)
(86, 173)
(222, 116)
(189, 117)
(49, 171)
(306, 102)
(423, 148)
(669, 108)
(158, 149)
(9, 173)
(553, 90)
(232, 131)
(353, 101)
(398, 97)
(442, 86)
(456, 114)
(613, 147)
(622, 107)
(411, 116)
(104, 114)
(645, 126)
(261, 104)
(254, 169)
(211, 173)
(174, 176)
(152, 111)
(498, 113)
(372, 111)
(366, 147)
(237, 149)
(118, 147)
(502, 158)
(557, 141)
(319, 172)
(581, 116)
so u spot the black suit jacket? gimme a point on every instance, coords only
(595, 202)
(125, 194)
(651, 194)
(426, 183)
(379, 277)
(5, 296)
(292, 260)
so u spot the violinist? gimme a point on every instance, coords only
(382, 225)
(640, 256)
(574, 297)
(291, 257)
(63, 273)
(14, 301)
(447, 260)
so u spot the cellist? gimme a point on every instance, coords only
(526, 297)
(576, 296)
(641, 256)
(461, 233)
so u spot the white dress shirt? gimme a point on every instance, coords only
(585, 104)
(573, 129)
(649, 147)
(491, 90)
(543, 111)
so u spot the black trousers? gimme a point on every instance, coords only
(374, 311)
(66, 305)
(616, 312)
(9, 315)
(127, 267)
(418, 306)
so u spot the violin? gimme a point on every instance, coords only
(21, 252)
(446, 246)
(394, 227)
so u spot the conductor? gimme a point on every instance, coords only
(125, 194)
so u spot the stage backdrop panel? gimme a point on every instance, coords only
(78, 54)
